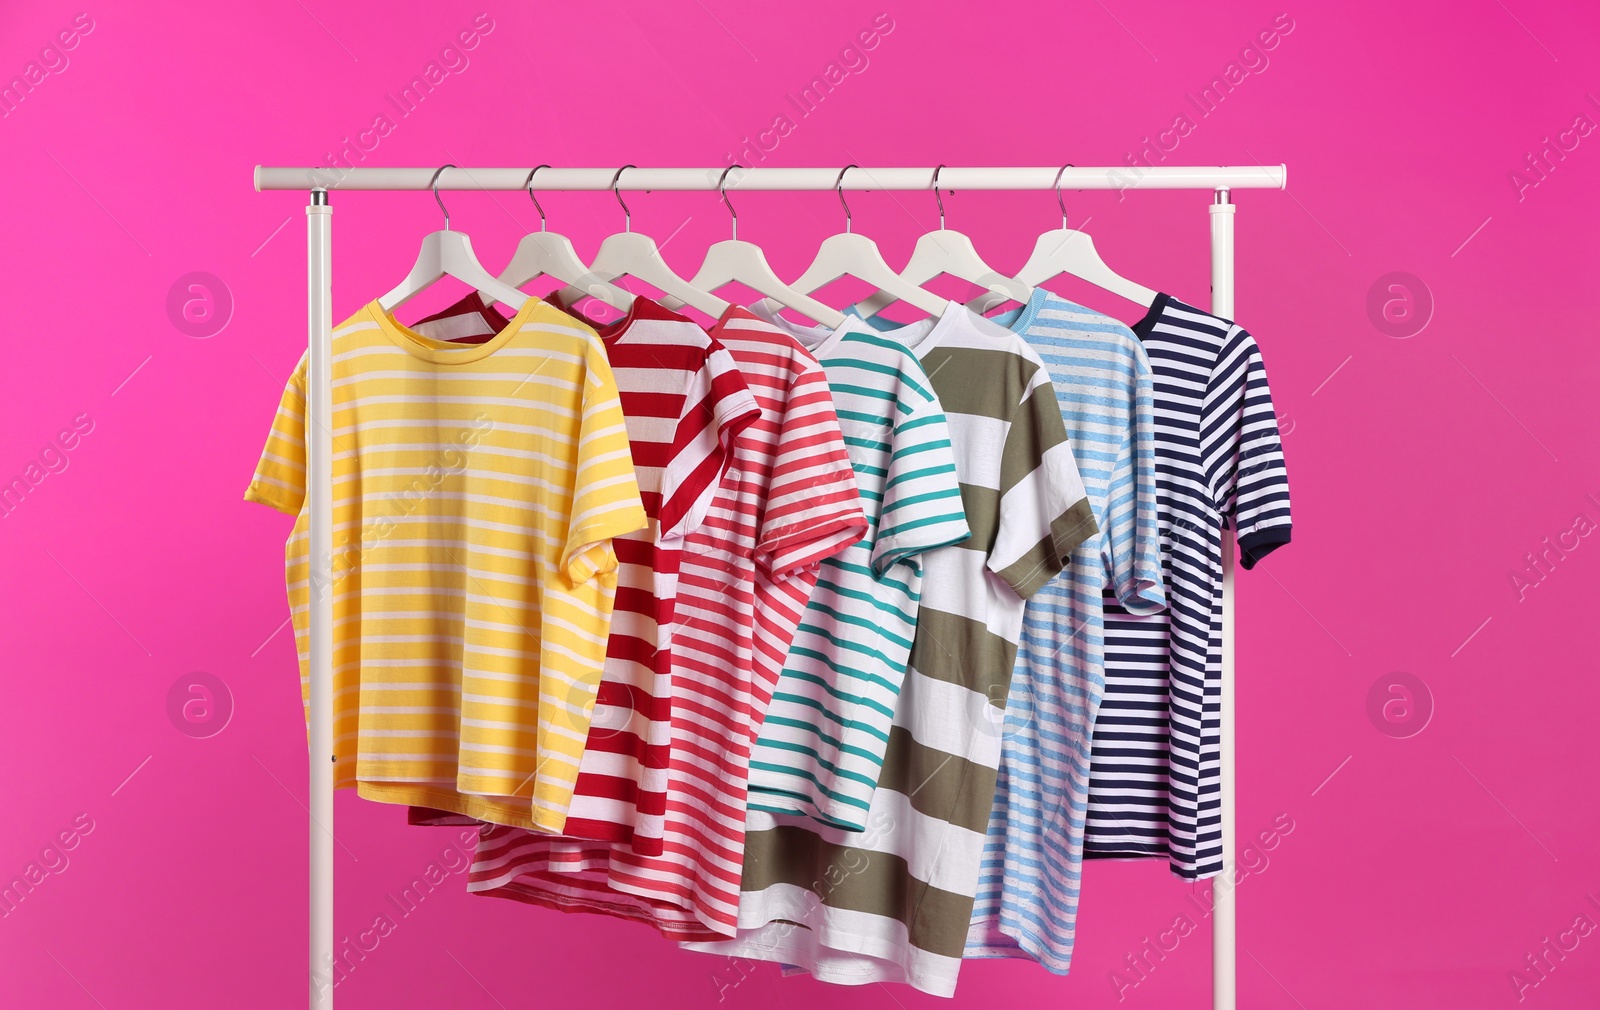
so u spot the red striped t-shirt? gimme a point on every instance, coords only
(685, 404)
(788, 501)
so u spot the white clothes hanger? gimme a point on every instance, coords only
(449, 253)
(850, 255)
(544, 253)
(629, 254)
(1068, 251)
(732, 260)
(949, 252)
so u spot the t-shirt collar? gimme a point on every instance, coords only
(640, 308)
(445, 352)
(1019, 319)
(920, 335)
(819, 341)
(1146, 326)
(917, 336)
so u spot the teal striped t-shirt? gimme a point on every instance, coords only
(823, 741)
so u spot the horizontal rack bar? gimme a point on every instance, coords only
(1116, 177)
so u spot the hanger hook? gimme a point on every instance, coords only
(838, 187)
(723, 192)
(1057, 187)
(627, 215)
(433, 184)
(528, 185)
(937, 198)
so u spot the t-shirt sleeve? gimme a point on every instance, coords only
(605, 494)
(280, 478)
(1044, 511)
(1132, 545)
(921, 508)
(813, 509)
(1245, 451)
(717, 407)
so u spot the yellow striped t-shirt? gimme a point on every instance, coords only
(476, 490)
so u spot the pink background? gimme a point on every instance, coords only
(1420, 872)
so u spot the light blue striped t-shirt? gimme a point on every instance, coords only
(1028, 900)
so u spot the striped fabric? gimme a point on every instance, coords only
(1028, 900)
(684, 404)
(789, 502)
(822, 744)
(476, 491)
(1154, 786)
(893, 902)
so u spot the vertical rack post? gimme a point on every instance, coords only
(1224, 910)
(319, 491)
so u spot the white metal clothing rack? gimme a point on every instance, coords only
(319, 251)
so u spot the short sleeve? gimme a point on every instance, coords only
(1044, 510)
(1132, 544)
(717, 407)
(921, 508)
(813, 508)
(1244, 451)
(605, 494)
(280, 478)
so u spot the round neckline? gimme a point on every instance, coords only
(933, 327)
(835, 337)
(1019, 319)
(1146, 325)
(815, 339)
(642, 309)
(445, 352)
(612, 333)
(827, 337)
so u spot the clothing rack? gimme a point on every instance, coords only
(319, 182)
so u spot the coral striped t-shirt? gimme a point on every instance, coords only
(476, 492)
(685, 404)
(790, 501)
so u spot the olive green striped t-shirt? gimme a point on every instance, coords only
(892, 902)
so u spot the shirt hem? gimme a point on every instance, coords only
(811, 544)
(838, 975)
(618, 910)
(449, 801)
(1259, 542)
(256, 494)
(1045, 560)
(900, 549)
(810, 811)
